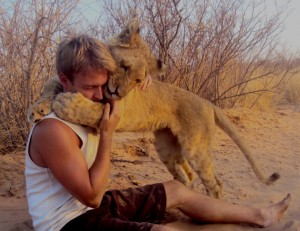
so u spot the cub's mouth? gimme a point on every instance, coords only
(108, 94)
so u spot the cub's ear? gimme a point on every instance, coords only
(156, 67)
(130, 35)
(134, 26)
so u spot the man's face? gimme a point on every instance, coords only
(90, 84)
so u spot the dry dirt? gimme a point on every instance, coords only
(275, 141)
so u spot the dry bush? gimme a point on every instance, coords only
(29, 33)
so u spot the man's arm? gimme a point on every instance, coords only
(56, 146)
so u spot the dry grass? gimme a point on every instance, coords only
(263, 96)
(292, 91)
(270, 93)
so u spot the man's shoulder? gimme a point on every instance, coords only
(51, 128)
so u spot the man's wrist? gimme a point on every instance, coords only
(106, 137)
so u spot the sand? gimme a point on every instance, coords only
(274, 138)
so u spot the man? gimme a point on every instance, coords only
(67, 165)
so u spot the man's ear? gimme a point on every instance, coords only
(63, 80)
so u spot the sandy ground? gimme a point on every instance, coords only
(273, 137)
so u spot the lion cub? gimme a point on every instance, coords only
(183, 123)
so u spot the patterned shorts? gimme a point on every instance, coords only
(121, 210)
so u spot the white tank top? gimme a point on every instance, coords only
(51, 206)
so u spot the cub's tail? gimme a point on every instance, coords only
(225, 124)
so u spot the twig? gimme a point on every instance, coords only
(127, 161)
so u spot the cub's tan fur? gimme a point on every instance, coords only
(183, 123)
(42, 107)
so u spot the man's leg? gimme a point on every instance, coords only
(202, 207)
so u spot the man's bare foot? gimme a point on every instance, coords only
(273, 213)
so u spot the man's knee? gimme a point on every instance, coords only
(174, 184)
(176, 193)
(162, 228)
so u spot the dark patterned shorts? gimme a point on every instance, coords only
(121, 210)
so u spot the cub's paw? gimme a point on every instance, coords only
(38, 110)
(75, 108)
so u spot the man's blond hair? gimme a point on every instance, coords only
(82, 54)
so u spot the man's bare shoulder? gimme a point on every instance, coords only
(51, 137)
(52, 132)
(51, 128)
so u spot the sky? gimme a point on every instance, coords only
(291, 33)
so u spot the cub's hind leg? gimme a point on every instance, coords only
(169, 152)
(200, 160)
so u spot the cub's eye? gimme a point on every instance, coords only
(41, 111)
(125, 67)
(138, 80)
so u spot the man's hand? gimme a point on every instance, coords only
(110, 118)
(146, 82)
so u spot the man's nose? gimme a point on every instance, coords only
(98, 93)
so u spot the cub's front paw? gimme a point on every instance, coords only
(75, 108)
